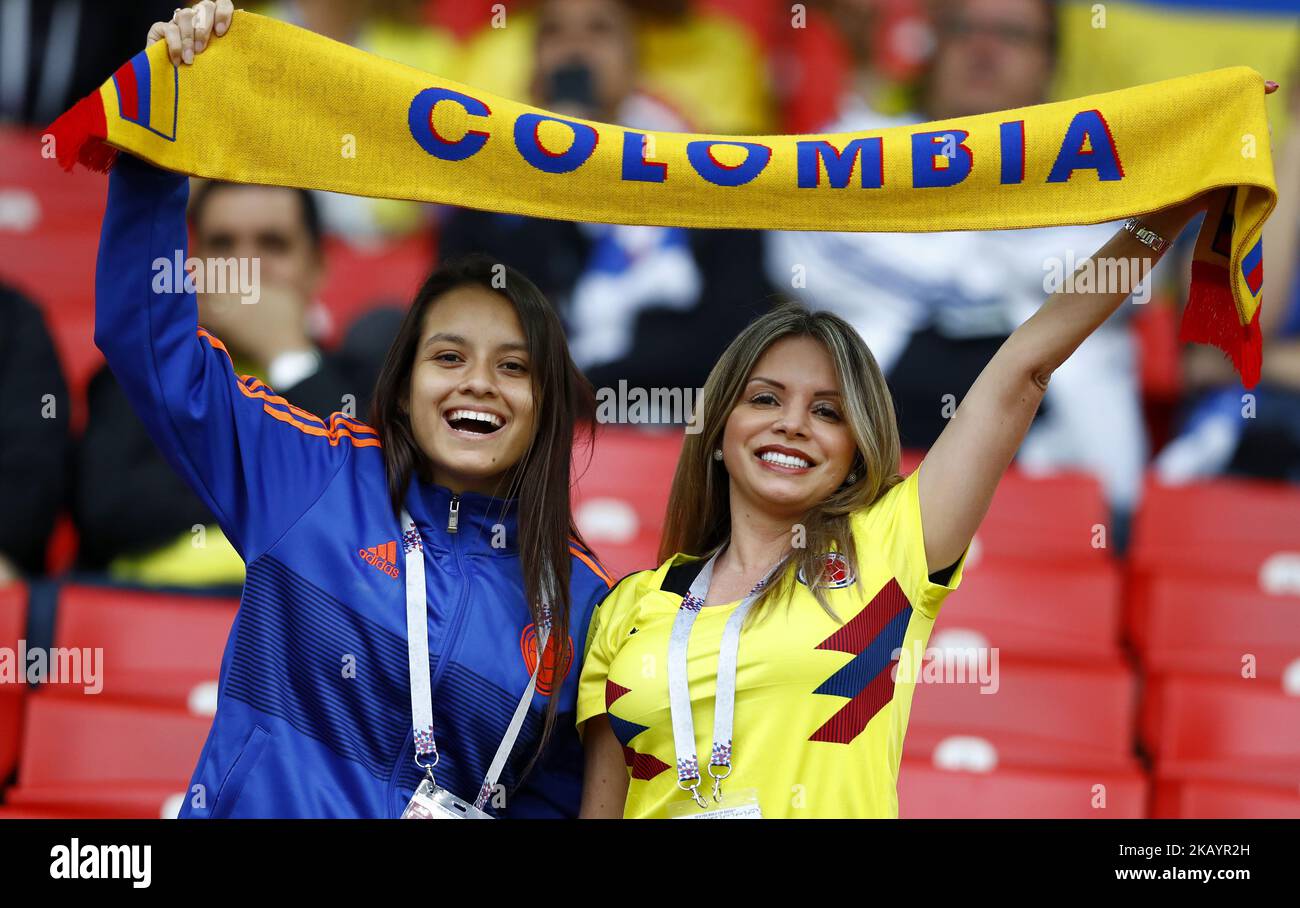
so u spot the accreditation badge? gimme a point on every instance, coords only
(741, 804)
(433, 803)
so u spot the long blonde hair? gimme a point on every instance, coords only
(698, 521)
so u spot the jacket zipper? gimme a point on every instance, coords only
(453, 515)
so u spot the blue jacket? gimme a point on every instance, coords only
(313, 713)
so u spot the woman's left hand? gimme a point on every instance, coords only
(1175, 217)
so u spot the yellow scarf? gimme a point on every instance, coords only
(275, 104)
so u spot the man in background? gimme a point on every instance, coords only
(137, 518)
(935, 307)
(652, 306)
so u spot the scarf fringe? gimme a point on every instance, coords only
(80, 136)
(1211, 318)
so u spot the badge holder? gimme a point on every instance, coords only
(433, 803)
(741, 804)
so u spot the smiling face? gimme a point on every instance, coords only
(787, 443)
(470, 400)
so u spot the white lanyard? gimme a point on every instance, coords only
(679, 695)
(417, 637)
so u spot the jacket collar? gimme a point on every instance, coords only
(481, 520)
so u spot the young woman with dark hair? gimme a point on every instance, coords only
(404, 643)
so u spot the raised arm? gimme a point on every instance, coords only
(961, 471)
(255, 460)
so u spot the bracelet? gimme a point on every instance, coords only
(1146, 236)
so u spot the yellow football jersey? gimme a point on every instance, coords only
(821, 706)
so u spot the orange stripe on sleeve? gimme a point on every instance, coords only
(595, 566)
(339, 426)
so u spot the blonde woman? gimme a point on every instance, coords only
(767, 667)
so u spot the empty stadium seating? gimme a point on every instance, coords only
(1242, 528)
(1039, 714)
(1201, 799)
(926, 792)
(1200, 625)
(156, 648)
(1048, 519)
(1028, 609)
(1245, 730)
(90, 757)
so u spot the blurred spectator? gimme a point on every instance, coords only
(934, 307)
(706, 66)
(34, 440)
(394, 29)
(54, 52)
(628, 294)
(872, 50)
(1226, 429)
(136, 516)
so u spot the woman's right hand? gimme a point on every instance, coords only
(190, 29)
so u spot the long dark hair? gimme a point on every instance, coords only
(564, 406)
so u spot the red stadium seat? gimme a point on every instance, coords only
(1248, 529)
(1001, 603)
(156, 648)
(1202, 799)
(926, 792)
(1155, 331)
(1040, 714)
(1045, 518)
(620, 497)
(1050, 519)
(13, 625)
(1197, 625)
(86, 810)
(72, 800)
(1245, 730)
(357, 278)
(77, 744)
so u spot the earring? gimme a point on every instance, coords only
(717, 453)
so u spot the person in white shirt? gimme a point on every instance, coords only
(934, 307)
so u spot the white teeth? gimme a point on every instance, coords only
(490, 418)
(784, 460)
